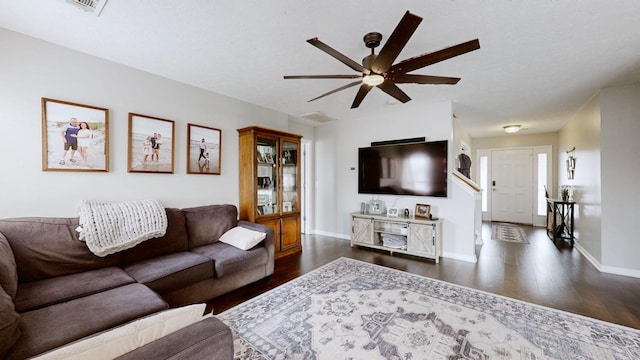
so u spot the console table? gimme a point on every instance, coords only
(406, 235)
(562, 221)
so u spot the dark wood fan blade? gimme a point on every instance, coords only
(392, 89)
(322, 76)
(336, 90)
(421, 61)
(425, 79)
(396, 42)
(364, 90)
(336, 54)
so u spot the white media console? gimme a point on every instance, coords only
(406, 235)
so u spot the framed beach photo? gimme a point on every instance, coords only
(423, 211)
(75, 137)
(151, 144)
(204, 149)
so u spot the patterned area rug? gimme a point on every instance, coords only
(350, 309)
(508, 232)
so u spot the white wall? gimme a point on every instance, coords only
(605, 134)
(583, 133)
(620, 159)
(31, 69)
(336, 160)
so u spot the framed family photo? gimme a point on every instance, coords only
(151, 144)
(75, 137)
(423, 211)
(204, 149)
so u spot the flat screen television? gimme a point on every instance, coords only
(404, 169)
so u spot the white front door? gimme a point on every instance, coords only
(511, 185)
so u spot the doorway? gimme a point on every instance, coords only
(513, 182)
(305, 191)
(511, 185)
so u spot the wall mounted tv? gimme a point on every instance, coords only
(404, 169)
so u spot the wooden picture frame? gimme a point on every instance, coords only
(75, 137)
(204, 150)
(151, 144)
(423, 211)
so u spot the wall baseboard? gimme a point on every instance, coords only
(335, 235)
(471, 259)
(607, 269)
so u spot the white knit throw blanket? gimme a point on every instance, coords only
(107, 228)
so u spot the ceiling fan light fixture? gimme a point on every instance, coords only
(373, 79)
(512, 129)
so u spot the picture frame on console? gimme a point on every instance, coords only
(204, 150)
(75, 137)
(392, 212)
(151, 144)
(423, 211)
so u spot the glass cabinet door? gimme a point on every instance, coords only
(267, 173)
(289, 157)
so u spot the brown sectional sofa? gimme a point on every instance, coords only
(61, 292)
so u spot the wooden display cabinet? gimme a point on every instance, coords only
(269, 184)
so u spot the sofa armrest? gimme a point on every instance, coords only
(207, 339)
(268, 241)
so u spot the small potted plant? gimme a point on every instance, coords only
(565, 192)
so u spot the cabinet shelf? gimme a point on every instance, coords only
(269, 178)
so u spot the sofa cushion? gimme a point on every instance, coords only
(9, 323)
(174, 240)
(56, 325)
(205, 224)
(49, 247)
(123, 339)
(171, 272)
(55, 290)
(205, 340)
(8, 272)
(228, 259)
(242, 238)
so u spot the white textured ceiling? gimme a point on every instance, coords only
(538, 62)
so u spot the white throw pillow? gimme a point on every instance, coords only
(126, 338)
(242, 238)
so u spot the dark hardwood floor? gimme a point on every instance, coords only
(541, 272)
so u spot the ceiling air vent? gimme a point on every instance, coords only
(92, 6)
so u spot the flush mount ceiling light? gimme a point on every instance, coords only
(373, 79)
(511, 129)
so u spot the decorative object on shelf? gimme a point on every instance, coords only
(423, 211)
(151, 144)
(566, 192)
(289, 157)
(571, 163)
(203, 149)
(406, 213)
(75, 137)
(376, 207)
(286, 206)
(392, 212)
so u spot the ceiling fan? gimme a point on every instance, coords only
(379, 71)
